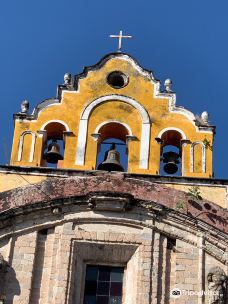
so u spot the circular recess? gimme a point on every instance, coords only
(117, 80)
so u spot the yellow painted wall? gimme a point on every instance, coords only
(197, 161)
(93, 86)
(13, 181)
(215, 194)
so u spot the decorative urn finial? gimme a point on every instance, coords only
(67, 78)
(168, 85)
(205, 117)
(24, 106)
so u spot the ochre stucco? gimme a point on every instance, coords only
(140, 88)
(13, 181)
(215, 194)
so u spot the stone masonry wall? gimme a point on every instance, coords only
(48, 266)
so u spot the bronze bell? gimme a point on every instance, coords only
(111, 161)
(171, 160)
(53, 154)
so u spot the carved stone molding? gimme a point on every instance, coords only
(109, 202)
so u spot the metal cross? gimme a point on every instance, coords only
(120, 36)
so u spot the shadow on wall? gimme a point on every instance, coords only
(12, 286)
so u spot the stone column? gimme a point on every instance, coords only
(144, 268)
(155, 268)
(21, 271)
(201, 268)
(62, 264)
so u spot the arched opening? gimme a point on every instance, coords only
(171, 153)
(53, 146)
(112, 151)
(145, 134)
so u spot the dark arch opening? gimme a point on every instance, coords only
(110, 133)
(53, 146)
(171, 153)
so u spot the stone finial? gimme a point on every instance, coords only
(24, 107)
(205, 117)
(217, 285)
(168, 85)
(67, 78)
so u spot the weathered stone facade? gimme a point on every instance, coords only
(48, 236)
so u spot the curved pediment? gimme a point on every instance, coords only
(106, 58)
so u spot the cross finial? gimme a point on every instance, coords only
(120, 36)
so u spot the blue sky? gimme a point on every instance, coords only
(184, 40)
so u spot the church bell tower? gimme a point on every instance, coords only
(115, 101)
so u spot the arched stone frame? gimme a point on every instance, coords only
(55, 120)
(21, 142)
(172, 129)
(183, 138)
(42, 132)
(83, 126)
(115, 121)
(96, 134)
(203, 148)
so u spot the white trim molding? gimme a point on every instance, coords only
(21, 144)
(114, 121)
(192, 155)
(55, 120)
(171, 129)
(83, 126)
